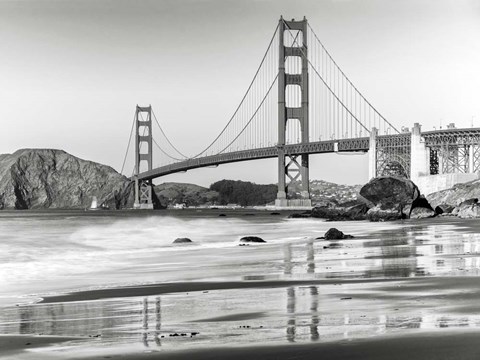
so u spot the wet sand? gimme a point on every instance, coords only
(14, 344)
(404, 293)
(185, 287)
(454, 346)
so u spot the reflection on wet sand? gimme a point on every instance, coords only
(291, 314)
(299, 314)
(310, 315)
(429, 251)
(314, 309)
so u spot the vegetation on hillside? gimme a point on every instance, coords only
(244, 193)
(188, 194)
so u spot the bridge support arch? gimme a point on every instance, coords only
(143, 153)
(293, 168)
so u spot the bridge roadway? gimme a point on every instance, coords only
(433, 139)
(319, 147)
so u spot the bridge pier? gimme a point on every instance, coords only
(420, 161)
(143, 138)
(372, 154)
(289, 166)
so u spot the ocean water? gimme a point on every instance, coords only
(43, 253)
(394, 277)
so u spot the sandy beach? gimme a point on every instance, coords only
(403, 290)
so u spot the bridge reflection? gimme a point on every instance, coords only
(311, 313)
(320, 311)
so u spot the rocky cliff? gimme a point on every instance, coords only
(44, 178)
(456, 194)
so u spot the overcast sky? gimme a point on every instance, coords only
(72, 71)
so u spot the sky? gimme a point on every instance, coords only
(72, 71)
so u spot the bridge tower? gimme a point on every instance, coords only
(143, 142)
(293, 167)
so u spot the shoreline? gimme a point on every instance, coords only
(193, 286)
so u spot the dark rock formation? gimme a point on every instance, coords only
(43, 178)
(341, 212)
(335, 234)
(252, 239)
(391, 197)
(468, 202)
(420, 202)
(390, 192)
(305, 214)
(182, 241)
(443, 209)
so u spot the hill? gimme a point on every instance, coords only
(244, 193)
(46, 178)
(171, 193)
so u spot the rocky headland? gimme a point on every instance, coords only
(54, 179)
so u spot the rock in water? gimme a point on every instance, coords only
(390, 195)
(335, 234)
(252, 239)
(305, 214)
(43, 178)
(182, 241)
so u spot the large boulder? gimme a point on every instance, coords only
(390, 196)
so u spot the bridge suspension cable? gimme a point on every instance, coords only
(245, 101)
(349, 81)
(128, 145)
(166, 137)
(337, 109)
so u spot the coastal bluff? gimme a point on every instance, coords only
(55, 179)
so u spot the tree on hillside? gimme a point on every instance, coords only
(244, 193)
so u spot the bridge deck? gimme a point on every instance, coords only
(319, 147)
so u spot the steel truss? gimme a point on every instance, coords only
(393, 155)
(451, 150)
